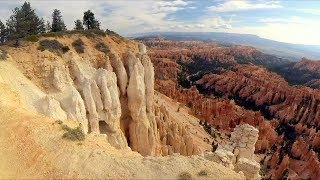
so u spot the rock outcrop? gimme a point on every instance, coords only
(140, 91)
(109, 93)
(239, 152)
(243, 140)
(174, 137)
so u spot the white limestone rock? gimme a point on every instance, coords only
(250, 168)
(52, 108)
(141, 134)
(101, 98)
(221, 156)
(142, 48)
(57, 80)
(239, 152)
(120, 71)
(149, 83)
(73, 104)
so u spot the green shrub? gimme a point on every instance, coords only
(41, 48)
(65, 49)
(73, 134)
(53, 46)
(88, 33)
(185, 176)
(58, 122)
(112, 33)
(109, 32)
(32, 38)
(203, 173)
(78, 45)
(94, 32)
(3, 55)
(102, 47)
(189, 105)
(54, 34)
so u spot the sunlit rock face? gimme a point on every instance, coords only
(238, 154)
(116, 99)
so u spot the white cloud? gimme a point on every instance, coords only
(310, 11)
(293, 19)
(208, 24)
(170, 6)
(173, 3)
(124, 16)
(297, 30)
(242, 5)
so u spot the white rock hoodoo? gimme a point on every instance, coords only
(238, 154)
(117, 101)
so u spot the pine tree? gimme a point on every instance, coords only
(23, 22)
(41, 26)
(14, 27)
(57, 22)
(3, 32)
(90, 21)
(78, 25)
(48, 26)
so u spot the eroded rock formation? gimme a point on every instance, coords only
(224, 114)
(110, 93)
(221, 90)
(267, 91)
(174, 137)
(239, 152)
(304, 72)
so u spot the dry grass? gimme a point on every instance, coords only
(185, 176)
(3, 55)
(73, 134)
(203, 173)
(102, 47)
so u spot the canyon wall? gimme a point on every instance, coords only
(233, 91)
(109, 93)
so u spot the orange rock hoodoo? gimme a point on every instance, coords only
(228, 90)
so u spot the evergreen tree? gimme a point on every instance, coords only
(90, 21)
(48, 26)
(78, 25)
(14, 32)
(24, 22)
(3, 32)
(57, 22)
(41, 26)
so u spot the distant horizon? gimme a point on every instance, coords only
(293, 22)
(130, 35)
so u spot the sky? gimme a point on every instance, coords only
(292, 21)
